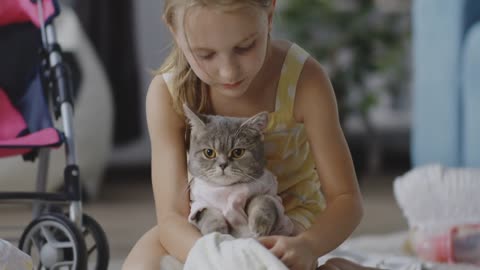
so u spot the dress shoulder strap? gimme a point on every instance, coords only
(287, 86)
(168, 78)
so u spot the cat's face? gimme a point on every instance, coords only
(226, 150)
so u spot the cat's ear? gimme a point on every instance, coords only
(193, 118)
(258, 122)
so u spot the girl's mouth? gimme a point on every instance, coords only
(233, 85)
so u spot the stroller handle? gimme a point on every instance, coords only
(41, 20)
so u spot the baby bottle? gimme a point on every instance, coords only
(459, 244)
(466, 244)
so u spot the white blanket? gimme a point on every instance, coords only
(217, 251)
(220, 251)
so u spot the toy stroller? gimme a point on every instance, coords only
(34, 85)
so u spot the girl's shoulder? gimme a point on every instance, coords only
(157, 88)
(159, 108)
(303, 64)
(313, 86)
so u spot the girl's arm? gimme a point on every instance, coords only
(169, 171)
(315, 106)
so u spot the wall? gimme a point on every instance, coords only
(152, 47)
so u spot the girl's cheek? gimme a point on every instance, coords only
(256, 61)
(202, 70)
(203, 73)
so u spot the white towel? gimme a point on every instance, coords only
(220, 251)
(13, 258)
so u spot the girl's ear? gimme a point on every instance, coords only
(270, 15)
(172, 31)
(167, 23)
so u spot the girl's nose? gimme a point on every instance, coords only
(229, 71)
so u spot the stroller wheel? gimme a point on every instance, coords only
(97, 244)
(54, 242)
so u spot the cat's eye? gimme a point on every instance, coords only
(209, 153)
(238, 153)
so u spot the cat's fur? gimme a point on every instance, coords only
(225, 134)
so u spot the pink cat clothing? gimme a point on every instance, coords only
(232, 200)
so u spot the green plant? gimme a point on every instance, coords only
(355, 42)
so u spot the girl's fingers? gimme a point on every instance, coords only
(271, 243)
(278, 251)
(287, 260)
(267, 241)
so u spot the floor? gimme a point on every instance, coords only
(125, 210)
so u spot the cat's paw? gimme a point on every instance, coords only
(262, 216)
(214, 225)
(212, 220)
(261, 225)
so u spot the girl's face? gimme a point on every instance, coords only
(225, 49)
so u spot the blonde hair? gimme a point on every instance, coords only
(187, 87)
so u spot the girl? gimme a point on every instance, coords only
(225, 63)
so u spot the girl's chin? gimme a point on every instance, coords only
(232, 92)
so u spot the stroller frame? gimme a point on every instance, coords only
(59, 81)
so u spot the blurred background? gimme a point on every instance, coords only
(396, 67)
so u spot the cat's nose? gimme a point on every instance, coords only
(223, 165)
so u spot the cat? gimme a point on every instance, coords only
(231, 191)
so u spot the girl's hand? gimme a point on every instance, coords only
(294, 252)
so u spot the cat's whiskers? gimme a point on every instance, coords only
(239, 172)
(210, 173)
(189, 185)
(190, 182)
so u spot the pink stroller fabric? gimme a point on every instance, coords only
(16, 138)
(11, 121)
(12, 125)
(17, 11)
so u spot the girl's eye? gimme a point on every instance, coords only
(209, 153)
(206, 56)
(238, 152)
(241, 50)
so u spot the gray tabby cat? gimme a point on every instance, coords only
(226, 151)
(229, 136)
